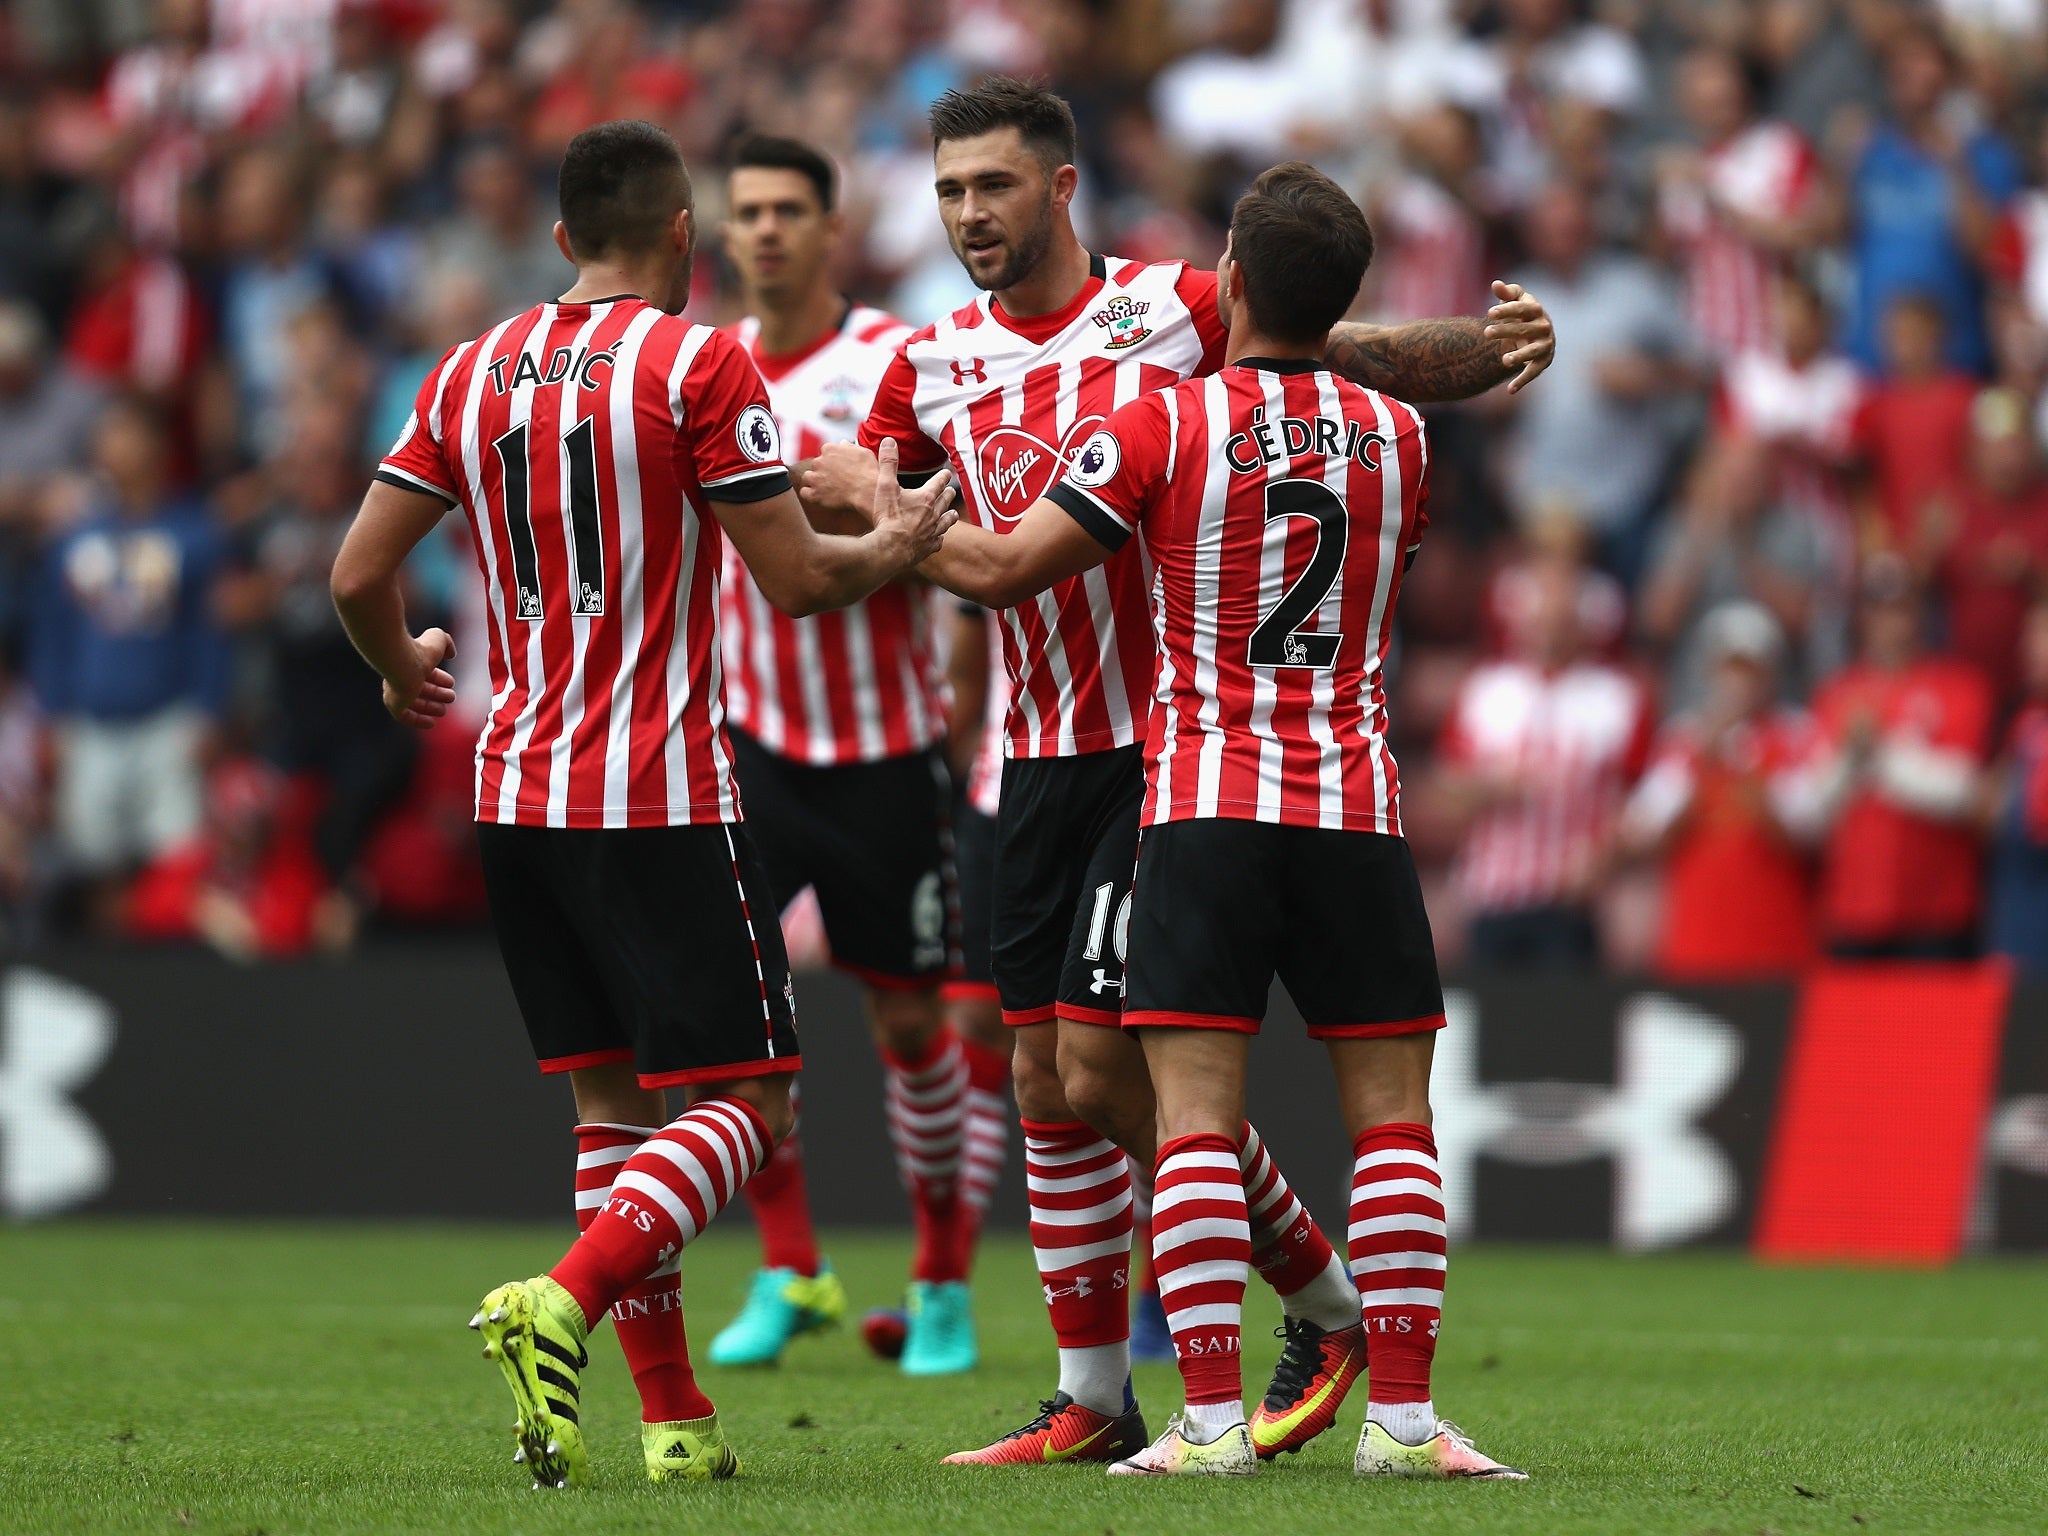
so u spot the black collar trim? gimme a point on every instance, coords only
(1281, 364)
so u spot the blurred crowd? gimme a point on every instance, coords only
(1729, 647)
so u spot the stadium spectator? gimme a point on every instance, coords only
(1985, 544)
(258, 215)
(1555, 538)
(1736, 203)
(1730, 810)
(351, 97)
(46, 419)
(247, 883)
(138, 321)
(36, 207)
(607, 72)
(125, 657)
(1914, 428)
(499, 231)
(317, 720)
(1272, 81)
(1802, 401)
(1599, 435)
(1732, 541)
(1907, 732)
(1525, 77)
(2017, 810)
(1429, 225)
(1539, 752)
(374, 257)
(271, 278)
(1926, 198)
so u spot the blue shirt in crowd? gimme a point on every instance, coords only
(123, 621)
(1908, 240)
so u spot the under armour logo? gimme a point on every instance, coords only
(53, 1037)
(974, 368)
(1082, 1286)
(1673, 1181)
(1103, 983)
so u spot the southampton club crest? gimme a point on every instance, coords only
(1123, 318)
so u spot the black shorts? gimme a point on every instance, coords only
(974, 853)
(654, 945)
(1224, 906)
(1066, 842)
(875, 841)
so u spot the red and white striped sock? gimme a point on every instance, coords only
(927, 1106)
(1146, 1276)
(649, 1317)
(663, 1196)
(781, 1204)
(986, 1145)
(1289, 1249)
(1202, 1245)
(1079, 1188)
(1397, 1259)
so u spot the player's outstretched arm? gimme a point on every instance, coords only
(1448, 359)
(802, 571)
(1001, 570)
(364, 584)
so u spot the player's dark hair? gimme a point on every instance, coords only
(1303, 246)
(620, 187)
(1043, 120)
(766, 152)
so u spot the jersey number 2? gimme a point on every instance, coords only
(579, 447)
(1278, 641)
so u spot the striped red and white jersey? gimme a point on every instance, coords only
(1573, 741)
(985, 773)
(1008, 402)
(860, 683)
(585, 442)
(1279, 504)
(1766, 172)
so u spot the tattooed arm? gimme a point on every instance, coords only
(1450, 359)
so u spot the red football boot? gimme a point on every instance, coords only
(1063, 1431)
(1316, 1369)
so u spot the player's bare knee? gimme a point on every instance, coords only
(1109, 1102)
(1383, 1081)
(981, 1022)
(767, 1096)
(905, 1021)
(611, 1095)
(1037, 1080)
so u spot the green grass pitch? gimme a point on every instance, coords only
(285, 1379)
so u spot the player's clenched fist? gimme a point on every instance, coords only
(921, 516)
(425, 699)
(841, 479)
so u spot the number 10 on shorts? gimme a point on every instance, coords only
(1099, 924)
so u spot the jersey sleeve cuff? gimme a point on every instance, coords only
(749, 485)
(408, 482)
(1101, 524)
